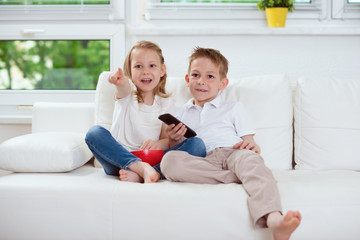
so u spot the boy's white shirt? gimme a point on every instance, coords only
(218, 123)
(134, 122)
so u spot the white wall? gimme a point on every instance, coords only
(254, 55)
(304, 48)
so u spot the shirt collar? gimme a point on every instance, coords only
(216, 102)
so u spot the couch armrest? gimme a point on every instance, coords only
(62, 117)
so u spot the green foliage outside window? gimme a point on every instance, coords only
(53, 64)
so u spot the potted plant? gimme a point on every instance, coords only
(276, 11)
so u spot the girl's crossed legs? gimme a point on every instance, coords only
(118, 161)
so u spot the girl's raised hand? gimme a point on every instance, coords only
(117, 78)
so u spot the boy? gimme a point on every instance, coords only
(233, 155)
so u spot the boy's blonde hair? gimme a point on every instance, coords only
(215, 57)
(160, 88)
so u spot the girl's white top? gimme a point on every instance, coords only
(134, 122)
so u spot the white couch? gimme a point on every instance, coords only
(84, 203)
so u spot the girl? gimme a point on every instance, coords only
(140, 98)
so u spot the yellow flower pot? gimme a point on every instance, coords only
(276, 17)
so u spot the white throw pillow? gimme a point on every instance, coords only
(44, 152)
(327, 123)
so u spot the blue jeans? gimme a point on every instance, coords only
(113, 156)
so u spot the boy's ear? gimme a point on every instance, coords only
(187, 79)
(224, 83)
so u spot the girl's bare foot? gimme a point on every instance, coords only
(146, 171)
(282, 227)
(130, 176)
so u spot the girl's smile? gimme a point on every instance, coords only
(146, 71)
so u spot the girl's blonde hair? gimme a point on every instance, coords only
(160, 88)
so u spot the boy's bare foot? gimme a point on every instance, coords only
(130, 176)
(146, 171)
(283, 227)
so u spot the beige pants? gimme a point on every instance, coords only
(228, 165)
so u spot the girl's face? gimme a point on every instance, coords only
(204, 80)
(146, 70)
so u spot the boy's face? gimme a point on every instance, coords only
(204, 80)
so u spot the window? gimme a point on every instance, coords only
(225, 9)
(347, 9)
(44, 57)
(60, 9)
(52, 64)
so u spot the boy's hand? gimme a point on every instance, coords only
(249, 145)
(176, 133)
(117, 78)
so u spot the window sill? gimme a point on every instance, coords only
(288, 30)
(15, 120)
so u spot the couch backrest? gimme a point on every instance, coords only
(268, 101)
(327, 123)
(266, 98)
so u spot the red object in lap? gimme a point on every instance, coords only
(152, 157)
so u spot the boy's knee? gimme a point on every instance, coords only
(254, 155)
(167, 164)
(171, 163)
(252, 158)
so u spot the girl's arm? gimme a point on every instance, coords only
(248, 143)
(162, 143)
(170, 136)
(122, 84)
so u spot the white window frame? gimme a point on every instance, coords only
(13, 103)
(155, 10)
(341, 9)
(113, 11)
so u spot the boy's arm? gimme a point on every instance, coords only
(248, 143)
(121, 83)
